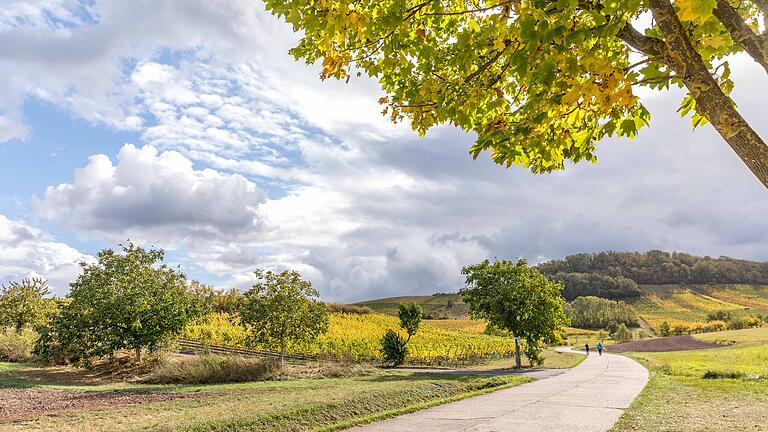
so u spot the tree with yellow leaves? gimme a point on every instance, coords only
(540, 81)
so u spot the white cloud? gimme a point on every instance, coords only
(26, 251)
(362, 207)
(154, 196)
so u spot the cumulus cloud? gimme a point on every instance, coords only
(361, 207)
(26, 251)
(148, 195)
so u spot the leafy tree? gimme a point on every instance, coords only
(517, 298)
(621, 333)
(393, 348)
(24, 304)
(410, 318)
(539, 81)
(228, 301)
(283, 307)
(595, 312)
(664, 329)
(127, 300)
(615, 275)
(720, 315)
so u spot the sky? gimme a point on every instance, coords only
(186, 125)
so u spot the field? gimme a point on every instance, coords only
(357, 338)
(448, 306)
(292, 404)
(686, 305)
(733, 396)
(689, 305)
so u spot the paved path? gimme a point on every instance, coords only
(589, 397)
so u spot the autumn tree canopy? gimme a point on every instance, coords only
(540, 82)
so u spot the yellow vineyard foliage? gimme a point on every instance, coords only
(356, 338)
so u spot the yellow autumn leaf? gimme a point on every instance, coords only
(695, 10)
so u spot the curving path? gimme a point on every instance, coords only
(589, 397)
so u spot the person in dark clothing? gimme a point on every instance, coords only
(586, 347)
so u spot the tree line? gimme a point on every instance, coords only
(616, 275)
(130, 299)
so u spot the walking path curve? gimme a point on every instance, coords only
(589, 398)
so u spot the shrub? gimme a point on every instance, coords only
(664, 329)
(679, 329)
(213, 369)
(745, 323)
(393, 348)
(723, 374)
(719, 316)
(622, 334)
(347, 309)
(16, 346)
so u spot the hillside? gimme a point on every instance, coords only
(436, 306)
(690, 304)
(675, 303)
(619, 275)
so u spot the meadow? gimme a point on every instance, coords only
(718, 389)
(289, 404)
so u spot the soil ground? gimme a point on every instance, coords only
(25, 403)
(672, 343)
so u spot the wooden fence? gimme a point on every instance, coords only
(186, 345)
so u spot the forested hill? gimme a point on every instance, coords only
(617, 274)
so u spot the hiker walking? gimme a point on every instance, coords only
(600, 348)
(586, 347)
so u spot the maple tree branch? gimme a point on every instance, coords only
(754, 44)
(468, 11)
(647, 45)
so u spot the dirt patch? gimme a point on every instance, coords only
(672, 343)
(23, 403)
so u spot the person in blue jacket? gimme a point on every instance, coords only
(600, 348)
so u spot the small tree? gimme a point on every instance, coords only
(393, 348)
(24, 304)
(410, 318)
(282, 308)
(125, 301)
(517, 298)
(664, 329)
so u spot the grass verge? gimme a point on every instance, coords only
(293, 404)
(718, 389)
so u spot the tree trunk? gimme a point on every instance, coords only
(711, 102)
(282, 350)
(138, 354)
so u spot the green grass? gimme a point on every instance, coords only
(679, 398)
(672, 403)
(736, 336)
(432, 305)
(552, 360)
(295, 405)
(749, 360)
